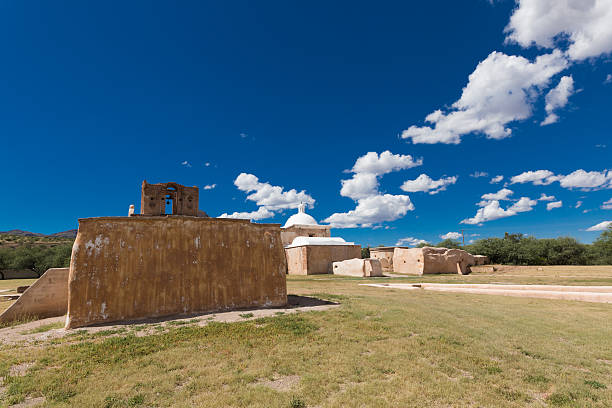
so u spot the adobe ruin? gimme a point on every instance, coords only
(151, 264)
(431, 260)
(316, 255)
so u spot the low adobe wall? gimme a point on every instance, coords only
(385, 256)
(358, 267)
(141, 267)
(318, 259)
(47, 297)
(430, 260)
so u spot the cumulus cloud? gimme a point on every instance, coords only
(260, 214)
(426, 183)
(410, 241)
(554, 204)
(608, 79)
(607, 205)
(478, 174)
(587, 180)
(583, 25)
(538, 177)
(578, 204)
(503, 194)
(186, 163)
(544, 197)
(496, 179)
(384, 163)
(372, 207)
(579, 179)
(558, 98)
(269, 198)
(372, 210)
(602, 226)
(209, 186)
(490, 209)
(501, 90)
(272, 197)
(451, 235)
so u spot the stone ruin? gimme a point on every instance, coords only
(430, 260)
(426, 260)
(151, 264)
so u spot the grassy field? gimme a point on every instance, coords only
(381, 348)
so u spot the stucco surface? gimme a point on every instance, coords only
(289, 233)
(139, 267)
(47, 297)
(358, 267)
(318, 259)
(385, 256)
(430, 260)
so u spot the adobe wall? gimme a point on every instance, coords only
(318, 259)
(290, 233)
(140, 267)
(430, 260)
(46, 297)
(358, 267)
(385, 256)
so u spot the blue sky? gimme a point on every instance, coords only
(96, 97)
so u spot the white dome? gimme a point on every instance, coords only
(301, 218)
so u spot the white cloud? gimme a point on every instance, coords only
(426, 183)
(490, 208)
(478, 174)
(503, 194)
(410, 241)
(491, 211)
(554, 204)
(602, 226)
(524, 204)
(538, 177)
(496, 179)
(580, 179)
(209, 186)
(583, 24)
(607, 205)
(558, 98)
(608, 79)
(587, 180)
(578, 204)
(207, 164)
(372, 210)
(501, 90)
(544, 197)
(360, 186)
(451, 235)
(186, 163)
(260, 214)
(384, 163)
(269, 198)
(272, 197)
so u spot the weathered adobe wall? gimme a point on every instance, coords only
(290, 233)
(318, 259)
(47, 297)
(429, 260)
(385, 256)
(140, 267)
(358, 267)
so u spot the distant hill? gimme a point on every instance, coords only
(64, 234)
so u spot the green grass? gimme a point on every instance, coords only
(45, 328)
(380, 348)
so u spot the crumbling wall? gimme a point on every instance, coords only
(153, 199)
(140, 267)
(47, 297)
(430, 260)
(290, 233)
(385, 256)
(358, 267)
(318, 259)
